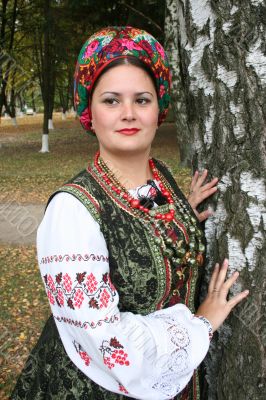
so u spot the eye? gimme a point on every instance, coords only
(111, 101)
(143, 100)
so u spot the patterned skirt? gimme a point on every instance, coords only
(50, 374)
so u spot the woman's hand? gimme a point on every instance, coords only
(216, 307)
(200, 191)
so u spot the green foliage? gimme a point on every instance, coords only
(70, 23)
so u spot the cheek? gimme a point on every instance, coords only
(100, 117)
(151, 118)
(95, 113)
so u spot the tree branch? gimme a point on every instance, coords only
(140, 13)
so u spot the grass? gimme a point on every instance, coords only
(24, 310)
(28, 176)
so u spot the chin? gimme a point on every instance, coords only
(131, 149)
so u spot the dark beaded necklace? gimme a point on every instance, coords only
(116, 186)
(163, 222)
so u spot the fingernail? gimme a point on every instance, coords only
(226, 262)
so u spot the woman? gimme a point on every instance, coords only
(120, 249)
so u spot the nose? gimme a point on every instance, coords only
(128, 112)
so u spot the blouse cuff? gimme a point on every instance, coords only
(207, 324)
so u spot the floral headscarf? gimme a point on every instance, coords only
(109, 44)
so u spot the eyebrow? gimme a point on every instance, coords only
(119, 94)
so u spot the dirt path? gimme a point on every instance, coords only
(19, 223)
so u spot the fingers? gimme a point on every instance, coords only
(199, 191)
(210, 184)
(230, 281)
(198, 179)
(206, 193)
(202, 177)
(216, 307)
(237, 298)
(204, 215)
(194, 180)
(222, 275)
(213, 278)
(219, 285)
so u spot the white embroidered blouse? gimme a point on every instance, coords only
(142, 357)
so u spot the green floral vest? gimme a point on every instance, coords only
(144, 277)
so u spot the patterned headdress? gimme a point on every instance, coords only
(109, 44)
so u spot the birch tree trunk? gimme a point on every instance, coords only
(173, 45)
(46, 75)
(222, 66)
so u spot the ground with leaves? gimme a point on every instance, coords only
(27, 176)
(23, 311)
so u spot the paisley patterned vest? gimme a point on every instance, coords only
(144, 277)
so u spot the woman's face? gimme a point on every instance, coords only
(124, 98)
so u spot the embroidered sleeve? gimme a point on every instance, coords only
(142, 357)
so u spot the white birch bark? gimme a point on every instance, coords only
(223, 76)
(50, 124)
(14, 121)
(45, 144)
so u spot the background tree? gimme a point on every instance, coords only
(64, 87)
(7, 33)
(47, 72)
(46, 36)
(173, 46)
(220, 50)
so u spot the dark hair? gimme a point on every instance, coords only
(129, 60)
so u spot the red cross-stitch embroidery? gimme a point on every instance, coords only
(104, 298)
(63, 290)
(50, 297)
(50, 283)
(122, 388)
(67, 282)
(83, 354)
(85, 357)
(91, 283)
(60, 297)
(78, 298)
(113, 353)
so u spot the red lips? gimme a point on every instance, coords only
(127, 131)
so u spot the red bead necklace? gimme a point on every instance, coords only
(116, 187)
